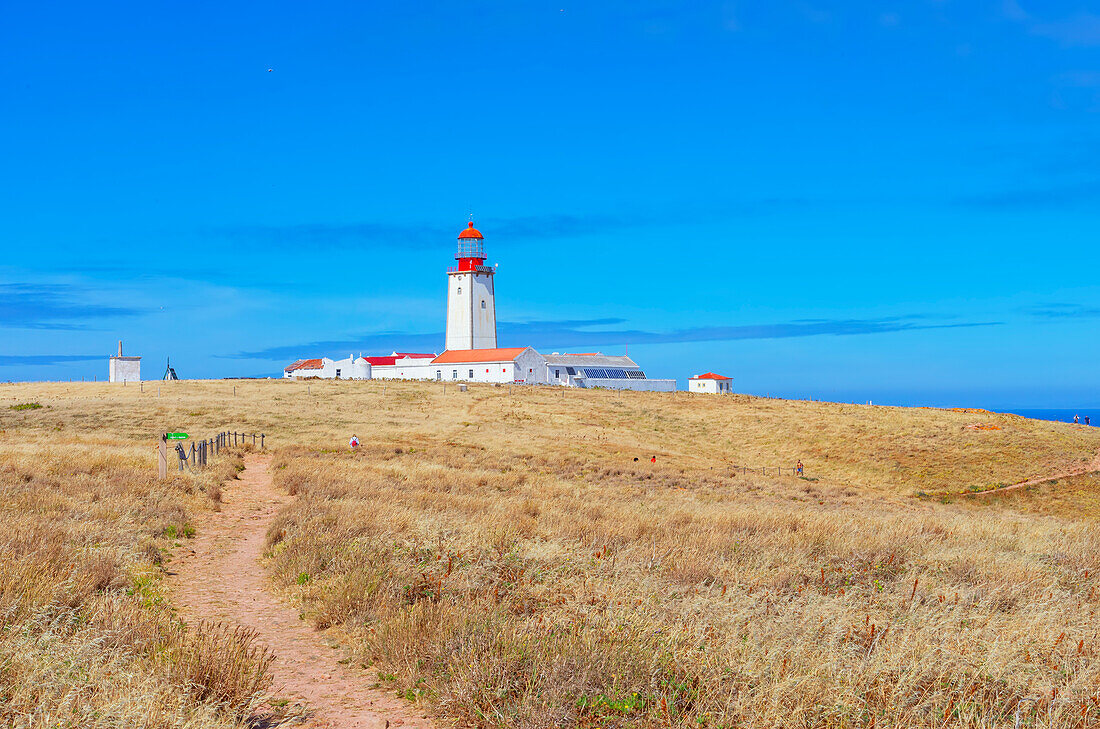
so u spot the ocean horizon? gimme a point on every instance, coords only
(1058, 415)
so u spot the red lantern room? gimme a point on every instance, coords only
(471, 249)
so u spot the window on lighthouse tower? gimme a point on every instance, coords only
(483, 303)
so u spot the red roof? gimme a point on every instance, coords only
(710, 376)
(470, 232)
(463, 356)
(305, 364)
(389, 359)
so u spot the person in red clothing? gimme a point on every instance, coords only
(354, 442)
(653, 460)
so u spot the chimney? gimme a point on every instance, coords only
(120, 348)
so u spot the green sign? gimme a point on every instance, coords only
(175, 436)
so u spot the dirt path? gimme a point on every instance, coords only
(219, 578)
(1092, 467)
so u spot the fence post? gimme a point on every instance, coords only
(253, 439)
(162, 458)
(262, 436)
(234, 438)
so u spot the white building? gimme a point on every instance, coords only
(124, 369)
(352, 368)
(402, 366)
(471, 301)
(508, 365)
(711, 383)
(594, 369)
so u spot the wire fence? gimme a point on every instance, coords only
(198, 455)
(771, 470)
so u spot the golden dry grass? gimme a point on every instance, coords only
(504, 560)
(86, 639)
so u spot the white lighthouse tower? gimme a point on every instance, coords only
(471, 304)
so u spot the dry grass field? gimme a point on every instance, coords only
(500, 558)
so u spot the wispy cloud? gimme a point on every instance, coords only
(813, 14)
(535, 227)
(1013, 11)
(52, 306)
(1063, 311)
(14, 360)
(583, 332)
(549, 226)
(1081, 29)
(1040, 197)
(1078, 79)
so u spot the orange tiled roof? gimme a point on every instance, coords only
(461, 356)
(305, 364)
(710, 376)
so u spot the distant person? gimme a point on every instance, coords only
(354, 442)
(653, 460)
(1087, 420)
(798, 467)
(1076, 419)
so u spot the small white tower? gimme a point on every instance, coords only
(471, 303)
(124, 369)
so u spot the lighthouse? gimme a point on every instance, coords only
(471, 303)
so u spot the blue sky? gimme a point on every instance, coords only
(895, 201)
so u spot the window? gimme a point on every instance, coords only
(337, 374)
(557, 374)
(471, 374)
(454, 374)
(483, 303)
(459, 290)
(439, 374)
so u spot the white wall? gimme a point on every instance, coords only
(484, 311)
(405, 368)
(300, 373)
(351, 368)
(529, 366)
(637, 385)
(460, 333)
(469, 326)
(124, 369)
(710, 387)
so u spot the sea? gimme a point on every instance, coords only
(1059, 415)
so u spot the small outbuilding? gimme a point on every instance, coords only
(710, 383)
(124, 369)
(305, 368)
